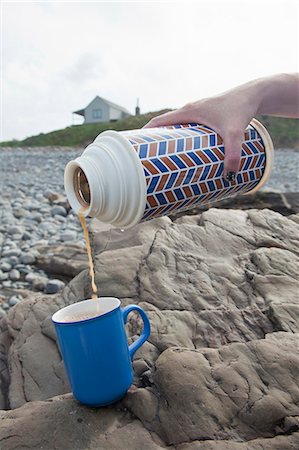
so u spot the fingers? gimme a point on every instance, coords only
(232, 150)
(181, 115)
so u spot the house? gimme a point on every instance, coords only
(102, 110)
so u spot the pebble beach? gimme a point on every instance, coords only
(34, 213)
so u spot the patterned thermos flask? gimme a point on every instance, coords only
(126, 177)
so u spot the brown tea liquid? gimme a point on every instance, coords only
(88, 248)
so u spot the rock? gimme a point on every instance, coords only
(13, 260)
(60, 219)
(219, 288)
(14, 275)
(35, 216)
(5, 266)
(49, 194)
(11, 252)
(30, 277)
(26, 236)
(68, 235)
(13, 300)
(54, 286)
(58, 210)
(65, 260)
(3, 276)
(5, 306)
(15, 230)
(27, 258)
(19, 212)
(39, 283)
(65, 424)
(222, 390)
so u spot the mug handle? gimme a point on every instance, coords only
(146, 327)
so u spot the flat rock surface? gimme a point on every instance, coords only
(221, 367)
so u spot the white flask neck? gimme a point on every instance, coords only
(107, 182)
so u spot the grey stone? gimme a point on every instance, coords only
(15, 230)
(54, 286)
(3, 276)
(39, 283)
(5, 266)
(36, 217)
(14, 275)
(67, 260)
(28, 258)
(13, 260)
(11, 252)
(5, 306)
(72, 426)
(60, 219)
(30, 277)
(17, 237)
(58, 210)
(19, 212)
(26, 236)
(13, 300)
(68, 235)
(220, 390)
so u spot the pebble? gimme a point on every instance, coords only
(30, 277)
(19, 213)
(14, 275)
(15, 230)
(69, 235)
(5, 306)
(58, 210)
(28, 258)
(13, 260)
(5, 266)
(13, 252)
(39, 283)
(3, 276)
(54, 286)
(14, 300)
(60, 219)
(26, 236)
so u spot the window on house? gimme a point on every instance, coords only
(96, 113)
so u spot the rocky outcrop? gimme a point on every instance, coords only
(66, 261)
(240, 390)
(221, 365)
(61, 423)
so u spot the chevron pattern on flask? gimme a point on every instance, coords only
(183, 166)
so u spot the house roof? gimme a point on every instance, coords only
(113, 105)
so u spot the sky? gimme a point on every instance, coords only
(57, 56)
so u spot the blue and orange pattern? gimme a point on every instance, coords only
(183, 166)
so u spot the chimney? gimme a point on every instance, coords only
(137, 109)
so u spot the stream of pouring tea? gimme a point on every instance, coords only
(88, 248)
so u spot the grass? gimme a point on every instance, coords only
(284, 132)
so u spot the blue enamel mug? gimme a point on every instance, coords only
(93, 343)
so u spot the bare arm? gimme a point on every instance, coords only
(229, 113)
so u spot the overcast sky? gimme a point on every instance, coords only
(57, 56)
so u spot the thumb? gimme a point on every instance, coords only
(171, 118)
(232, 154)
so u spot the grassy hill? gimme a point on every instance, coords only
(284, 132)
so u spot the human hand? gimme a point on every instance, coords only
(228, 114)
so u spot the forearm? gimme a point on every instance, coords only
(277, 95)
